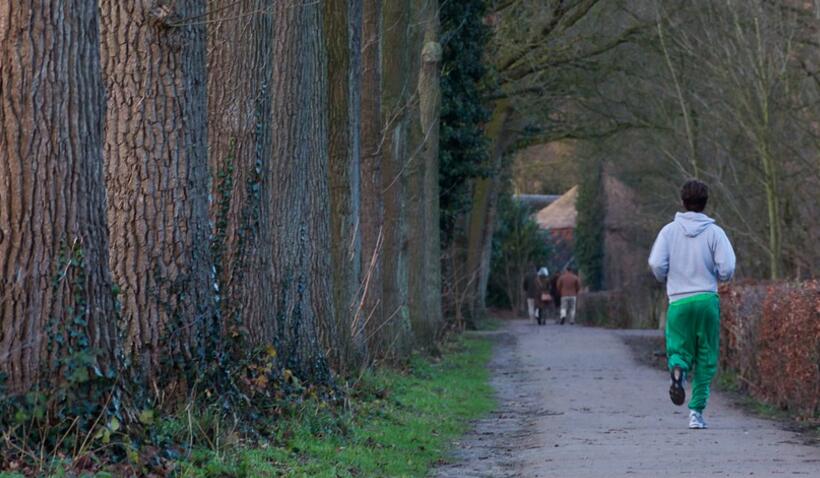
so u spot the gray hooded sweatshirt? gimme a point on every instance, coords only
(692, 254)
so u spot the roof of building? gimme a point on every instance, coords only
(561, 214)
(536, 201)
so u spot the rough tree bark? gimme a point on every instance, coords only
(343, 23)
(239, 134)
(483, 212)
(55, 286)
(299, 188)
(397, 84)
(372, 199)
(153, 56)
(422, 171)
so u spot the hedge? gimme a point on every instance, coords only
(770, 336)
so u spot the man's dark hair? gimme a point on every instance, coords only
(694, 195)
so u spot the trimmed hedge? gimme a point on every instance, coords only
(770, 336)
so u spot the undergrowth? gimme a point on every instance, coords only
(729, 382)
(386, 423)
(394, 423)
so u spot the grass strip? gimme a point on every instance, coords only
(397, 424)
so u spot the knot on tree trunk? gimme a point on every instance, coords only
(163, 12)
(431, 53)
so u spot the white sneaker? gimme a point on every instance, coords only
(696, 421)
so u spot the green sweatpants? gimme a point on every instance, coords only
(693, 341)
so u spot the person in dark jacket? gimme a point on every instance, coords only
(532, 291)
(556, 297)
(542, 302)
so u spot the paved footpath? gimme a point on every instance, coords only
(573, 403)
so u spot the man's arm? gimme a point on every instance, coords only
(724, 257)
(659, 258)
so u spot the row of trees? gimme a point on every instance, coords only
(184, 182)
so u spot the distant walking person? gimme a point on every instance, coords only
(544, 298)
(569, 285)
(692, 254)
(532, 290)
(556, 297)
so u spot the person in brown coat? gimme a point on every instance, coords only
(569, 285)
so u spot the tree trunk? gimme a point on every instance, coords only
(483, 212)
(422, 171)
(773, 210)
(153, 57)
(239, 133)
(56, 299)
(299, 188)
(371, 309)
(343, 22)
(397, 85)
(476, 224)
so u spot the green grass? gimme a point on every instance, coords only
(728, 381)
(488, 324)
(398, 424)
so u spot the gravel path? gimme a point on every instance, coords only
(573, 403)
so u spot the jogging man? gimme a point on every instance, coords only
(692, 254)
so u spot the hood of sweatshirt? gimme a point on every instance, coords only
(693, 223)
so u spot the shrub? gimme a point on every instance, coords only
(770, 335)
(618, 309)
(518, 245)
(603, 309)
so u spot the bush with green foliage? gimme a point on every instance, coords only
(518, 246)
